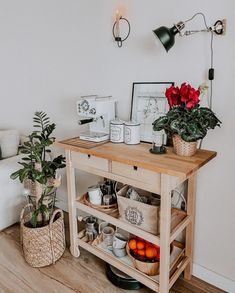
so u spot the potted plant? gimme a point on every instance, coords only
(42, 231)
(38, 172)
(186, 122)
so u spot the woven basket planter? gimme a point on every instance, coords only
(184, 148)
(42, 246)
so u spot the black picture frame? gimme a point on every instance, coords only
(145, 95)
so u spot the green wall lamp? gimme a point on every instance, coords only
(167, 35)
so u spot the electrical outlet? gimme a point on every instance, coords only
(224, 24)
(220, 27)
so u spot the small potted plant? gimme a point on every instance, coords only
(42, 231)
(186, 122)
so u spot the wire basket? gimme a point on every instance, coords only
(48, 201)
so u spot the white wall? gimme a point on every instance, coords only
(52, 51)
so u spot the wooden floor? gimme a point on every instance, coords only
(83, 275)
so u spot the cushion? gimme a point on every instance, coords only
(9, 143)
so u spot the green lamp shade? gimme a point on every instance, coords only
(166, 36)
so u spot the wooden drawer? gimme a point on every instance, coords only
(86, 160)
(136, 173)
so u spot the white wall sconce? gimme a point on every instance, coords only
(120, 21)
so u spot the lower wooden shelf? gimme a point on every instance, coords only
(177, 264)
(179, 220)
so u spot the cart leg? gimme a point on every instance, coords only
(190, 228)
(72, 206)
(165, 226)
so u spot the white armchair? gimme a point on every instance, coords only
(11, 198)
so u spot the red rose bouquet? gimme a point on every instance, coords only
(186, 117)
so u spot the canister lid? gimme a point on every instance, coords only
(94, 187)
(132, 123)
(117, 122)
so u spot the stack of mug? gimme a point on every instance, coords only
(127, 132)
(114, 241)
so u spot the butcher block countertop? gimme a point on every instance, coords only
(139, 155)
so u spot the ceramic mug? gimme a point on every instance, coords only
(102, 225)
(95, 195)
(119, 241)
(107, 236)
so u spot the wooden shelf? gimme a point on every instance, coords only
(178, 223)
(134, 165)
(177, 260)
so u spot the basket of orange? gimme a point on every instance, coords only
(145, 256)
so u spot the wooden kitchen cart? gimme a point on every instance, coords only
(136, 166)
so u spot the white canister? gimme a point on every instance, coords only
(132, 132)
(95, 195)
(117, 131)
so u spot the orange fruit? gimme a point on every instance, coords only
(151, 252)
(157, 247)
(141, 252)
(140, 244)
(148, 244)
(158, 257)
(133, 244)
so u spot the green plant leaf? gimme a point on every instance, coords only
(33, 220)
(14, 175)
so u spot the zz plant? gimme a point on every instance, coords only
(36, 166)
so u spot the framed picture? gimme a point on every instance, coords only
(148, 103)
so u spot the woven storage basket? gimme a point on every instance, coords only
(184, 148)
(139, 214)
(148, 268)
(107, 209)
(42, 246)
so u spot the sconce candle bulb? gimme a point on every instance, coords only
(117, 24)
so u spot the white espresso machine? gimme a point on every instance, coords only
(98, 112)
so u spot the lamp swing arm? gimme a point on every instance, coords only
(218, 27)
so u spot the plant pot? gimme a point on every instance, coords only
(184, 148)
(45, 245)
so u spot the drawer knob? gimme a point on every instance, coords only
(135, 168)
(88, 156)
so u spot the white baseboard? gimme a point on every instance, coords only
(213, 278)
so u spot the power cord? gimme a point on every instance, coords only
(180, 196)
(211, 70)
